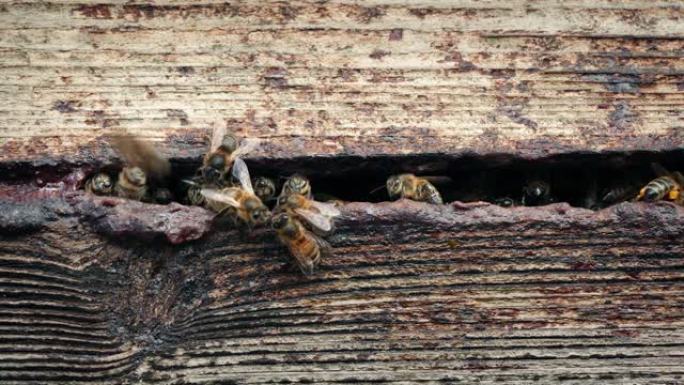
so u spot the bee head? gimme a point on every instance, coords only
(650, 195)
(280, 221)
(505, 202)
(394, 186)
(537, 189)
(298, 184)
(102, 183)
(264, 187)
(135, 175)
(229, 143)
(258, 213)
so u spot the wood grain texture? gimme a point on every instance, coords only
(414, 294)
(531, 78)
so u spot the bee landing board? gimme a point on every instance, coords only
(414, 293)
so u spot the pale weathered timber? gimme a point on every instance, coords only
(531, 78)
(414, 294)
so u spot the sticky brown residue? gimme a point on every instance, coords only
(64, 106)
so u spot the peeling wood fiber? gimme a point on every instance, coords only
(341, 78)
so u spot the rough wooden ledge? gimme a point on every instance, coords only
(414, 294)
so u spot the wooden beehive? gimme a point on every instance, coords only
(100, 290)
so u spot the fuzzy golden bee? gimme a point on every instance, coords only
(318, 216)
(100, 184)
(409, 186)
(296, 184)
(240, 203)
(667, 186)
(142, 164)
(306, 248)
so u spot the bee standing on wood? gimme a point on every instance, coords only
(224, 148)
(412, 187)
(240, 203)
(100, 184)
(144, 165)
(306, 248)
(667, 186)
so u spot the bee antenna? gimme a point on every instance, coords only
(377, 189)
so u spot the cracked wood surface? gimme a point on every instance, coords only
(530, 78)
(414, 294)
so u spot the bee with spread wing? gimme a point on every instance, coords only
(318, 216)
(240, 203)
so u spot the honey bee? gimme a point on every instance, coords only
(142, 161)
(667, 186)
(306, 247)
(296, 184)
(412, 187)
(618, 193)
(318, 215)
(239, 203)
(223, 150)
(163, 196)
(536, 193)
(264, 188)
(100, 184)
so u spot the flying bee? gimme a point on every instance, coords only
(142, 163)
(306, 247)
(100, 184)
(667, 186)
(223, 150)
(318, 215)
(536, 193)
(412, 187)
(296, 184)
(239, 203)
(264, 188)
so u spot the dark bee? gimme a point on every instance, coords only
(100, 184)
(536, 193)
(409, 186)
(264, 188)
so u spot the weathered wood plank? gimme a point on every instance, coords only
(414, 294)
(339, 78)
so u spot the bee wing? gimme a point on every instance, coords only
(246, 146)
(326, 209)
(142, 154)
(241, 173)
(216, 138)
(226, 196)
(659, 170)
(317, 220)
